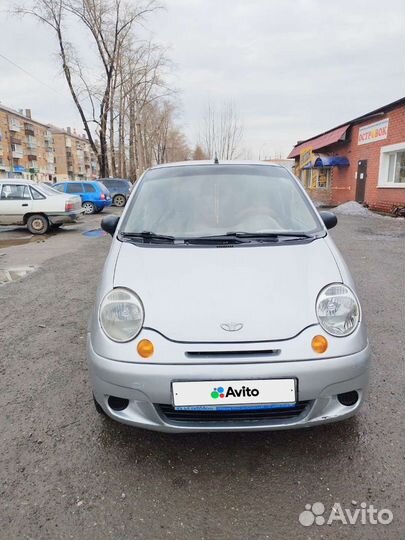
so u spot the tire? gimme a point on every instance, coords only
(98, 407)
(89, 208)
(119, 200)
(38, 224)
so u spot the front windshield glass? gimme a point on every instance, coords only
(202, 200)
(47, 190)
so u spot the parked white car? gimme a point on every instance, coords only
(38, 206)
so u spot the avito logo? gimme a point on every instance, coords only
(245, 391)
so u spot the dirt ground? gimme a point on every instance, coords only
(67, 473)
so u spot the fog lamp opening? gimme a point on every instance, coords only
(319, 344)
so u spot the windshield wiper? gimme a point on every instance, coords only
(147, 236)
(268, 235)
(214, 239)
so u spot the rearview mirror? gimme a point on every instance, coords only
(329, 218)
(109, 224)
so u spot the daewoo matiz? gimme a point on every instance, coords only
(225, 305)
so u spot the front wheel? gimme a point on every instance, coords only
(37, 224)
(119, 200)
(88, 207)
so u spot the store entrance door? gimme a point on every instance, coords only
(361, 180)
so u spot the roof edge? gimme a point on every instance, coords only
(357, 120)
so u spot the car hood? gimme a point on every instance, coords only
(261, 292)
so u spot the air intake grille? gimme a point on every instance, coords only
(171, 414)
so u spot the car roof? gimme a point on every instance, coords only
(78, 182)
(112, 179)
(203, 162)
(16, 181)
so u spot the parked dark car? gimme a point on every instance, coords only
(95, 196)
(119, 189)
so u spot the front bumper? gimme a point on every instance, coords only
(147, 386)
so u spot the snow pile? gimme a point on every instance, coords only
(352, 208)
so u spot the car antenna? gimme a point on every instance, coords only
(216, 159)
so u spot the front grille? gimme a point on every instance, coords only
(260, 415)
(219, 354)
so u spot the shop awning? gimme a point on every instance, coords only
(326, 139)
(331, 161)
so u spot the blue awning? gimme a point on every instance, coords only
(331, 161)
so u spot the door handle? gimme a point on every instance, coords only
(24, 204)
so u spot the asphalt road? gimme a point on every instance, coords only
(66, 472)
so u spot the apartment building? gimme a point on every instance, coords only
(26, 146)
(74, 158)
(41, 152)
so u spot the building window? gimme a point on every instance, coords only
(392, 166)
(323, 180)
(306, 178)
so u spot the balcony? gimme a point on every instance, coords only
(15, 140)
(14, 124)
(29, 130)
(32, 157)
(17, 152)
(31, 143)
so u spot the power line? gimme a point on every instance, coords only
(36, 79)
(28, 73)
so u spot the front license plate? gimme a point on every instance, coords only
(221, 394)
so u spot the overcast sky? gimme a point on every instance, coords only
(293, 68)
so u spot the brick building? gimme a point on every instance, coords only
(26, 146)
(35, 151)
(362, 160)
(74, 158)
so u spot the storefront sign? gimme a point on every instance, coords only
(305, 157)
(373, 132)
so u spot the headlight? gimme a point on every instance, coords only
(338, 310)
(121, 315)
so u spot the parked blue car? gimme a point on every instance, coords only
(95, 196)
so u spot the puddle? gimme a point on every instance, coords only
(8, 275)
(95, 233)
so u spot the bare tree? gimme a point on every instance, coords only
(222, 132)
(199, 153)
(109, 24)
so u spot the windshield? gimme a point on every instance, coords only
(203, 200)
(47, 190)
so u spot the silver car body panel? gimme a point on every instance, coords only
(189, 292)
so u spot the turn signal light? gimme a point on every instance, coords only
(319, 344)
(145, 348)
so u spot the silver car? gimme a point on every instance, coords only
(225, 305)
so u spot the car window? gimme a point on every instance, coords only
(36, 195)
(89, 188)
(50, 190)
(211, 200)
(15, 192)
(75, 187)
(60, 187)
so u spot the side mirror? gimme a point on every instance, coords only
(329, 218)
(109, 224)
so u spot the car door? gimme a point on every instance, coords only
(15, 202)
